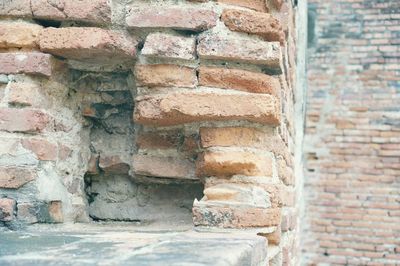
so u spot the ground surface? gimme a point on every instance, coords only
(128, 244)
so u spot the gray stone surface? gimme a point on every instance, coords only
(127, 244)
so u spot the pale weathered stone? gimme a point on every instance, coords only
(167, 167)
(234, 216)
(237, 79)
(87, 43)
(165, 76)
(258, 52)
(162, 45)
(15, 177)
(23, 120)
(178, 18)
(262, 24)
(27, 63)
(19, 34)
(19, 8)
(179, 108)
(25, 94)
(229, 163)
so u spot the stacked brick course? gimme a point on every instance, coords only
(352, 141)
(163, 92)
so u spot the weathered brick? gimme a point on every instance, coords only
(15, 177)
(167, 46)
(26, 212)
(167, 167)
(113, 164)
(238, 80)
(234, 217)
(7, 209)
(229, 163)
(19, 34)
(20, 8)
(245, 137)
(87, 43)
(159, 140)
(277, 3)
(240, 193)
(258, 5)
(274, 238)
(179, 108)
(93, 164)
(273, 190)
(230, 136)
(179, 18)
(44, 150)
(55, 211)
(93, 11)
(23, 120)
(25, 94)
(258, 52)
(262, 24)
(27, 63)
(165, 76)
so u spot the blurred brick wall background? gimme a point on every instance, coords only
(352, 147)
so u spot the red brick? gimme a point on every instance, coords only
(167, 46)
(229, 163)
(27, 63)
(215, 47)
(244, 137)
(7, 209)
(23, 120)
(262, 24)
(113, 164)
(165, 76)
(19, 34)
(258, 5)
(93, 11)
(87, 43)
(179, 18)
(15, 177)
(234, 217)
(167, 167)
(237, 79)
(178, 108)
(44, 150)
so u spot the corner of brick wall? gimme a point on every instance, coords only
(214, 89)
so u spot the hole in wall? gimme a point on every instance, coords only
(48, 23)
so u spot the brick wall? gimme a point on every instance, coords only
(352, 210)
(116, 111)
